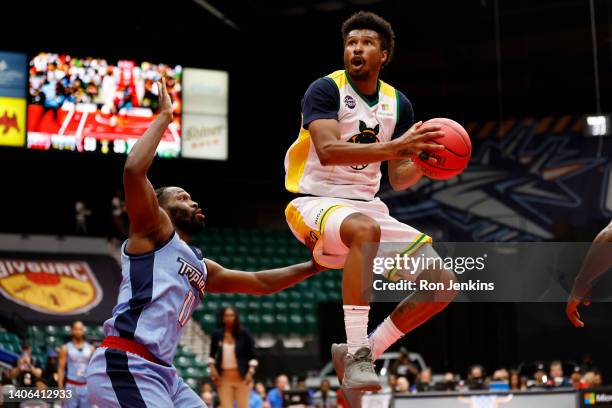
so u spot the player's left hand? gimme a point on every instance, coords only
(571, 310)
(165, 103)
(310, 241)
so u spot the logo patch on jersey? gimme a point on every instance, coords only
(366, 135)
(195, 277)
(349, 102)
(53, 287)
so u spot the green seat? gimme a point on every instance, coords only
(182, 362)
(208, 322)
(241, 306)
(253, 322)
(295, 295)
(253, 306)
(296, 323)
(281, 296)
(282, 323)
(51, 330)
(267, 306)
(311, 323)
(294, 307)
(280, 306)
(268, 323)
(211, 305)
(308, 296)
(192, 383)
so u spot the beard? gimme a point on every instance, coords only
(186, 221)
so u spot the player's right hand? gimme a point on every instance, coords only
(414, 141)
(571, 309)
(165, 103)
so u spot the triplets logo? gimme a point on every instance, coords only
(8, 122)
(196, 278)
(366, 135)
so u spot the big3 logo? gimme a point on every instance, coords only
(366, 135)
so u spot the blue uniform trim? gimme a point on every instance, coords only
(141, 280)
(123, 381)
(132, 256)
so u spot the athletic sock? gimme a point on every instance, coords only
(356, 325)
(383, 337)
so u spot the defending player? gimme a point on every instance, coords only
(351, 122)
(164, 279)
(597, 262)
(72, 362)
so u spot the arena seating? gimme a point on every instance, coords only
(293, 311)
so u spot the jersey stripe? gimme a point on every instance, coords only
(297, 157)
(141, 281)
(122, 380)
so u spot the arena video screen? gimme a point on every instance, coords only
(98, 105)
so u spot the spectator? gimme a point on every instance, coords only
(597, 380)
(403, 366)
(50, 372)
(575, 380)
(325, 397)
(424, 381)
(255, 400)
(391, 383)
(557, 379)
(275, 395)
(207, 397)
(515, 381)
(403, 386)
(448, 382)
(475, 378)
(81, 212)
(501, 375)
(539, 377)
(260, 389)
(27, 370)
(232, 360)
(207, 387)
(301, 386)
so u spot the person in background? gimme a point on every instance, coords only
(448, 382)
(514, 381)
(575, 379)
(81, 212)
(50, 371)
(27, 370)
(207, 397)
(275, 395)
(325, 397)
(557, 379)
(403, 386)
(301, 386)
(207, 387)
(232, 360)
(73, 359)
(260, 389)
(476, 377)
(424, 381)
(403, 366)
(255, 400)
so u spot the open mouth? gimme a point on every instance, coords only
(357, 62)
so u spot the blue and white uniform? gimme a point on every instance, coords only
(159, 291)
(74, 378)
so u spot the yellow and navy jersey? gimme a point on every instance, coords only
(376, 118)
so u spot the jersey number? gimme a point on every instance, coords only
(186, 309)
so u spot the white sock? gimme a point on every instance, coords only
(356, 325)
(383, 337)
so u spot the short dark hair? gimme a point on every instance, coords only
(160, 193)
(365, 20)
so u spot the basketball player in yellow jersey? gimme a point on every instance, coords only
(351, 122)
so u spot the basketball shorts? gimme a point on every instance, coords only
(320, 219)
(116, 378)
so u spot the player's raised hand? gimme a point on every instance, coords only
(165, 103)
(414, 141)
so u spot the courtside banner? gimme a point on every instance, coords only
(13, 74)
(490, 271)
(43, 288)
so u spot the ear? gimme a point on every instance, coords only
(376, 129)
(384, 56)
(362, 126)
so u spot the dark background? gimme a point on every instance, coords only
(446, 63)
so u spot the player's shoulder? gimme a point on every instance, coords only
(324, 85)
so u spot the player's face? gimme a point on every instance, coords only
(363, 56)
(186, 214)
(229, 317)
(78, 331)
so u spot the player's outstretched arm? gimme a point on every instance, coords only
(331, 150)
(147, 219)
(597, 261)
(221, 280)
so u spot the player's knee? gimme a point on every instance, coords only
(360, 229)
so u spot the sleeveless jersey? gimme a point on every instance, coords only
(77, 361)
(361, 121)
(159, 291)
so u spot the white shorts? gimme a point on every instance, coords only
(321, 218)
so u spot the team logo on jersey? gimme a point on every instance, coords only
(366, 135)
(349, 102)
(54, 287)
(194, 275)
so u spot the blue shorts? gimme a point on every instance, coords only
(80, 397)
(119, 379)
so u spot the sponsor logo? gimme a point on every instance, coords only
(54, 287)
(349, 102)
(12, 121)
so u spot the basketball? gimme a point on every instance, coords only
(454, 158)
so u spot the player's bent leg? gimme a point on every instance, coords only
(184, 396)
(418, 307)
(118, 379)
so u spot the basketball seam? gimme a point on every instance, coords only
(452, 151)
